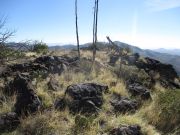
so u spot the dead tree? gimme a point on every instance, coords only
(120, 52)
(77, 35)
(95, 21)
(5, 34)
(7, 50)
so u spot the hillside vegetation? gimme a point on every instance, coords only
(57, 94)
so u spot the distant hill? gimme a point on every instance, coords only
(56, 47)
(163, 57)
(168, 51)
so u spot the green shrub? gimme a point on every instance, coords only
(164, 112)
(40, 48)
(7, 54)
(169, 104)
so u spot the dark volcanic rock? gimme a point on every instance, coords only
(43, 64)
(166, 71)
(123, 105)
(9, 122)
(60, 104)
(53, 84)
(26, 101)
(85, 98)
(126, 130)
(136, 89)
(51, 63)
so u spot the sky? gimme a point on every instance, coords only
(148, 24)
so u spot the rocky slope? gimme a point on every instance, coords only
(62, 95)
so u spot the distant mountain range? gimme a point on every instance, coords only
(168, 51)
(163, 55)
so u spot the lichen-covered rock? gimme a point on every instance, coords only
(126, 130)
(86, 97)
(9, 122)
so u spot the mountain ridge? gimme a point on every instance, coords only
(162, 57)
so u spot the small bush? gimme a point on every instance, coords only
(40, 48)
(164, 111)
(169, 102)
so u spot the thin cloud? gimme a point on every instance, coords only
(160, 5)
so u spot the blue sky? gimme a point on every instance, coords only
(144, 23)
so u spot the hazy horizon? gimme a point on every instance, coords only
(148, 24)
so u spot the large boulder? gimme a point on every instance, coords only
(26, 101)
(9, 122)
(126, 130)
(85, 97)
(124, 105)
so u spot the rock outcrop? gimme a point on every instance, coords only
(26, 101)
(167, 73)
(44, 64)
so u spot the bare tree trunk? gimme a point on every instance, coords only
(95, 21)
(77, 35)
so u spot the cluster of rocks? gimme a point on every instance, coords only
(45, 64)
(84, 98)
(27, 102)
(167, 73)
(126, 130)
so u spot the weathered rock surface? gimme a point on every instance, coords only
(126, 130)
(86, 97)
(136, 89)
(26, 101)
(9, 122)
(123, 104)
(53, 84)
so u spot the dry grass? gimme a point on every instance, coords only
(62, 123)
